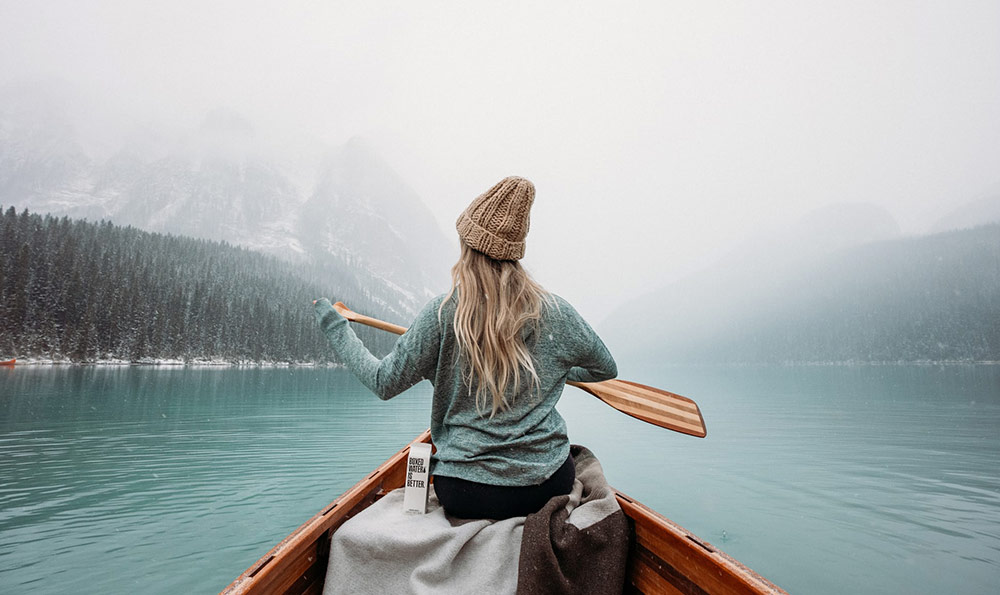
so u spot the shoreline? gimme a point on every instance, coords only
(220, 363)
(171, 363)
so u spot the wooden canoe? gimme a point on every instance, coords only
(664, 557)
(9, 362)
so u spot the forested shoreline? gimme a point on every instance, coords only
(87, 292)
(923, 299)
(80, 291)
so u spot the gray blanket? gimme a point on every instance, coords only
(575, 544)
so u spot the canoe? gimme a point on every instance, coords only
(663, 557)
(9, 362)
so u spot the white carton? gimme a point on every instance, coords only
(418, 466)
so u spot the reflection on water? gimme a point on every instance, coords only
(825, 480)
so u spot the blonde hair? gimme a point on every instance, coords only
(496, 299)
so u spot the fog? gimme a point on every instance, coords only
(660, 137)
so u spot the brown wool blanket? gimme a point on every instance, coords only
(577, 544)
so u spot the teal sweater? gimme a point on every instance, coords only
(523, 445)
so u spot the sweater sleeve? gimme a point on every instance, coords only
(413, 358)
(593, 361)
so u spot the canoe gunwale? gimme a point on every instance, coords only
(667, 558)
(268, 574)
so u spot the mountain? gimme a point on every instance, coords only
(928, 298)
(750, 271)
(41, 160)
(978, 212)
(340, 210)
(216, 184)
(357, 193)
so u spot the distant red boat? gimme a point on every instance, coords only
(9, 362)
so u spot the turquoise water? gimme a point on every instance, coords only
(825, 480)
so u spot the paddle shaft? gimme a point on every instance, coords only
(652, 405)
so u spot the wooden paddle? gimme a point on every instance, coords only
(658, 407)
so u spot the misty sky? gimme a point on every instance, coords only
(658, 134)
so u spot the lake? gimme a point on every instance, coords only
(826, 480)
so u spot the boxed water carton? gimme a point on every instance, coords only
(418, 466)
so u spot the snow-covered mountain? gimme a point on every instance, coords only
(216, 184)
(357, 193)
(41, 161)
(340, 210)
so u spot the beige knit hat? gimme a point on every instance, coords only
(496, 223)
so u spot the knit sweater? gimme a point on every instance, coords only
(519, 446)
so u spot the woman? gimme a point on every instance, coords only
(498, 349)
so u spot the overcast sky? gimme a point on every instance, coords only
(658, 134)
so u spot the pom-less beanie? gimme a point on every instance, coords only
(496, 222)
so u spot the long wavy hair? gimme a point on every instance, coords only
(496, 300)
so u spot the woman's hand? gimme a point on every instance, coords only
(324, 309)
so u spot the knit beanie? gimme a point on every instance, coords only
(496, 222)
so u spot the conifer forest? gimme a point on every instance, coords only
(83, 291)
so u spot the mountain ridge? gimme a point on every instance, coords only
(341, 209)
(933, 297)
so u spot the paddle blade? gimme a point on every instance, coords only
(652, 405)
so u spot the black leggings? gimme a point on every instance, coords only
(471, 500)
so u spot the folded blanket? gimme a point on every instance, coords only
(576, 544)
